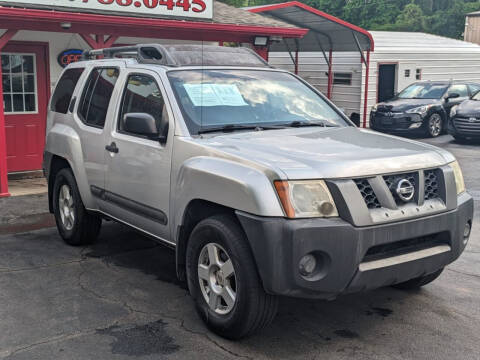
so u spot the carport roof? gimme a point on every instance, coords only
(326, 32)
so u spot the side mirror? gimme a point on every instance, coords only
(142, 124)
(453, 96)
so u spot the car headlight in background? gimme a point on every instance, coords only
(453, 111)
(458, 177)
(374, 108)
(422, 110)
(306, 199)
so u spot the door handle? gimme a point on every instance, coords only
(112, 148)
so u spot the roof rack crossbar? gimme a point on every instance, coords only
(145, 53)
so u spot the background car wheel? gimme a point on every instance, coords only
(75, 225)
(434, 125)
(418, 282)
(223, 280)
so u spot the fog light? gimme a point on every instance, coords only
(307, 265)
(415, 125)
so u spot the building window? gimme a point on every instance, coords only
(418, 75)
(342, 78)
(19, 81)
(407, 73)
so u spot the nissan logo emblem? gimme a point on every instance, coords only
(405, 190)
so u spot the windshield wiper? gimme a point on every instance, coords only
(307, 123)
(233, 127)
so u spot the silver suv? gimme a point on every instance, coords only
(262, 186)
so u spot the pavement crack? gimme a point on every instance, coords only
(464, 273)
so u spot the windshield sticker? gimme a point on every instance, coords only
(214, 95)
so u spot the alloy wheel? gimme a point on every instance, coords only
(66, 208)
(217, 279)
(435, 125)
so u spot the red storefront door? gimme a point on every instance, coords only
(26, 84)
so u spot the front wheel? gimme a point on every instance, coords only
(223, 280)
(75, 225)
(434, 125)
(418, 282)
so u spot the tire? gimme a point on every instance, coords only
(434, 125)
(252, 308)
(418, 282)
(75, 225)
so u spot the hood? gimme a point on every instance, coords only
(319, 153)
(469, 108)
(401, 105)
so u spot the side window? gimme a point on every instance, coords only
(142, 95)
(474, 88)
(459, 89)
(64, 90)
(96, 96)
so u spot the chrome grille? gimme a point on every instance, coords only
(392, 180)
(465, 124)
(431, 185)
(368, 194)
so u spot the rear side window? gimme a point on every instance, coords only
(142, 95)
(96, 96)
(64, 91)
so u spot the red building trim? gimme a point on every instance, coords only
(43, 20)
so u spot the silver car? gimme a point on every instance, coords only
(263, 187)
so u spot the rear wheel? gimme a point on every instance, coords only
(418, 282)
(434, 125)
(223, 280)
(75, 225)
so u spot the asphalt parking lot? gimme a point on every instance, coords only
(119, 299)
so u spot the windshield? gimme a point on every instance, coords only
(423, 91)
(230, 98)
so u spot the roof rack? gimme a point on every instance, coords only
(145, 54)
(183, 55)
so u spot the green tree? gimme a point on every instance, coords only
(410, 19)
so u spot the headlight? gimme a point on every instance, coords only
(458, 177)
(422, 110)
(374, 108)
(453, 111)
(306, 199)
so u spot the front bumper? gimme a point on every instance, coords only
(464, 127)
(396, 123)
(278, 244)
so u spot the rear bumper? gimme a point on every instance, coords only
(278, 244)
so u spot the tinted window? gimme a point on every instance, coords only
(459, 89)
(63, 92)
(142, 95)
(96, 96)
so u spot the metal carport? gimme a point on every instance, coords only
(326, 34)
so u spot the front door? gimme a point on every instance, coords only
(386, 81)
(25, 96)
(138, 168)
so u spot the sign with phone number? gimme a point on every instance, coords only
(181, 8)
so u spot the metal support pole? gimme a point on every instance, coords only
(290, 53)
(3, 138)
(330, 74)
(296, 62)
(365, 104)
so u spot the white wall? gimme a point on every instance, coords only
(436, 64)
(313, 68)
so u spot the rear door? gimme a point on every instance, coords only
(138, 169)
